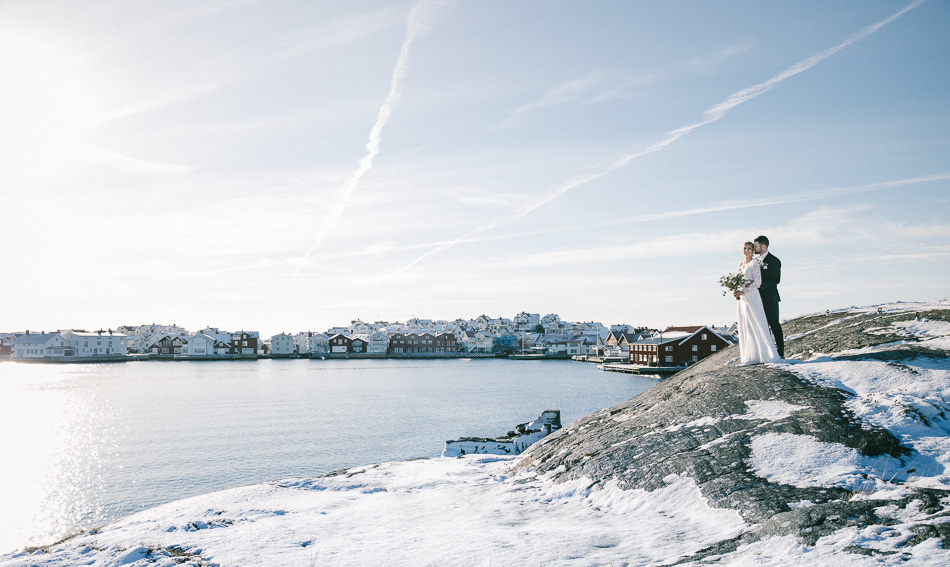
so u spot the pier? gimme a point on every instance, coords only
(662, 371)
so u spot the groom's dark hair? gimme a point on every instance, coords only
(762, 240)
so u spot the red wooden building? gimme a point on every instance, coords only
(677, 346)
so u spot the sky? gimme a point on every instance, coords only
(292, 166)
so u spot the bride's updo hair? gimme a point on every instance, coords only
(744, 244)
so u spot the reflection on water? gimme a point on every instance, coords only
(87, 444)
(56, 438)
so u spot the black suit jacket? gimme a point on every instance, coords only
(771, 276)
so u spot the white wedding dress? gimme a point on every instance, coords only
(755, 339)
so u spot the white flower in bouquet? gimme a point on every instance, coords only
(732, 282)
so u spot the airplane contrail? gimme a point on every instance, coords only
(712, 114)
(420, 19)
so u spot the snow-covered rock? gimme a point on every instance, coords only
(514, 443)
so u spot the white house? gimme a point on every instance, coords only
(358, 328)
(301, 343)
(464, 339)
(500, 325)
(218, 336)
(199, 344)
(552, 323)
(582, 345)
(476, 341)
(318, 344)
(40, 345)
(98, 343)
(282, 344)
(526, 321)
(154, 329)
(589, 328)
(377, 342)
(730, 333)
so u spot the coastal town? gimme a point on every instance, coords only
(524, 336)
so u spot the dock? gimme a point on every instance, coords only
(662, 371)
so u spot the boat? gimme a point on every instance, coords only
(533, 353)
(529, 356)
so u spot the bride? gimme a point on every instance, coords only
(755, 340)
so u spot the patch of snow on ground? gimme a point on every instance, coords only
(911, 400)
(786, 551)
(701, 422)
(804, 461)
(465, 511)
(931, 334)
(771, 410)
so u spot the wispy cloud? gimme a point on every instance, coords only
(421, 18)
(121, 162)
(803, 196)
(712, 114)
(595, 87)
(660, 247)
(709, 61)
(824, 227)
(165, 99)
(601, 86)
(569, 91)
(342, 31)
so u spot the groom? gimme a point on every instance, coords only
(771, 276)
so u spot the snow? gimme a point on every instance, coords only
(911, 400)
(787, 551)
(473, 510)
(443, 511)
(769, 410)
(804, 461)
(932, 334)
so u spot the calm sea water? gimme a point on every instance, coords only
(83, 445)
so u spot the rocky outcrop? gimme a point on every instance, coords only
(838, 332)
(702, 422)
(514, 443)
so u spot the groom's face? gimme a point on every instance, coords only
(757, 247)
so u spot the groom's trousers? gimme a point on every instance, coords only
(770, 304)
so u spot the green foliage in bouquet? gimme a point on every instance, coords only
(732, 282)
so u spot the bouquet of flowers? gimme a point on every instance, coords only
(732, 282)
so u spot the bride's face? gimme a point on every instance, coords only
(746, 250)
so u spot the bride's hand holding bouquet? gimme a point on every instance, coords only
(733, 283)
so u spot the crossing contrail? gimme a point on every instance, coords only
(712, 114)
(421, 18)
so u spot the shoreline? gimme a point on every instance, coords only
(245, 358)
